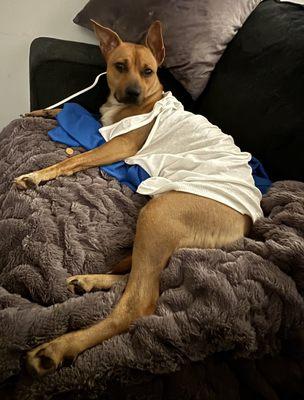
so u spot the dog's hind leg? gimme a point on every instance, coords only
(168, 222)
(152, 248)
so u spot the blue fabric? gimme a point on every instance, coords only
(77, 127)
(260, 177)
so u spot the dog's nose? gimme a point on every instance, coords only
(133, 92)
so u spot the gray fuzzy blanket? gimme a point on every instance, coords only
(245, 300)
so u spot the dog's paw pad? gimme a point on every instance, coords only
(43, 360)
(78, 286)
(25, 182)
(46, 362)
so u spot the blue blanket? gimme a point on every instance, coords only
(77, 127)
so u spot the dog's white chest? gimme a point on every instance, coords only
(109, 110)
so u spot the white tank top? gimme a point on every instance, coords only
(185, 152)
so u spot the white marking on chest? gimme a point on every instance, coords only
(109, 109)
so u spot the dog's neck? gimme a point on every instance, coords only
(113, 111)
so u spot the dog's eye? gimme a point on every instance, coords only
(148, 71)
(120, 67)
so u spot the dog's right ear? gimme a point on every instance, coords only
(108, 39)
(155, 42)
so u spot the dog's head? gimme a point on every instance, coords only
(132, 68)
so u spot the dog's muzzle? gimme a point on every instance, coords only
(132, 94)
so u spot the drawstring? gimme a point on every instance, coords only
(76, 94)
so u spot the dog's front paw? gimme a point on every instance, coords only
(27, 181)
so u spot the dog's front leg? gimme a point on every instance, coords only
(117, 149)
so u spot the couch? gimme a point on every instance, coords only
(255, 94)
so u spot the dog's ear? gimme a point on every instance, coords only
(108, 39)
(154, 40)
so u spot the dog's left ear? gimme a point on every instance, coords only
(154, 40)
(108, 39)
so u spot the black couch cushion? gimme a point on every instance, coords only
(256, 93)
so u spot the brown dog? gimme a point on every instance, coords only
(168, 222)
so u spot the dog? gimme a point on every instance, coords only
(170, 220)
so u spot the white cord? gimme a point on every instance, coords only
(76, 94)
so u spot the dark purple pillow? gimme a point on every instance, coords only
(196, 32)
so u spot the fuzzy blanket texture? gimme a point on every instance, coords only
(243, 301)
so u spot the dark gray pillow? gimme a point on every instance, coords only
(196, 32)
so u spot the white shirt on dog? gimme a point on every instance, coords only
(185, 152)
